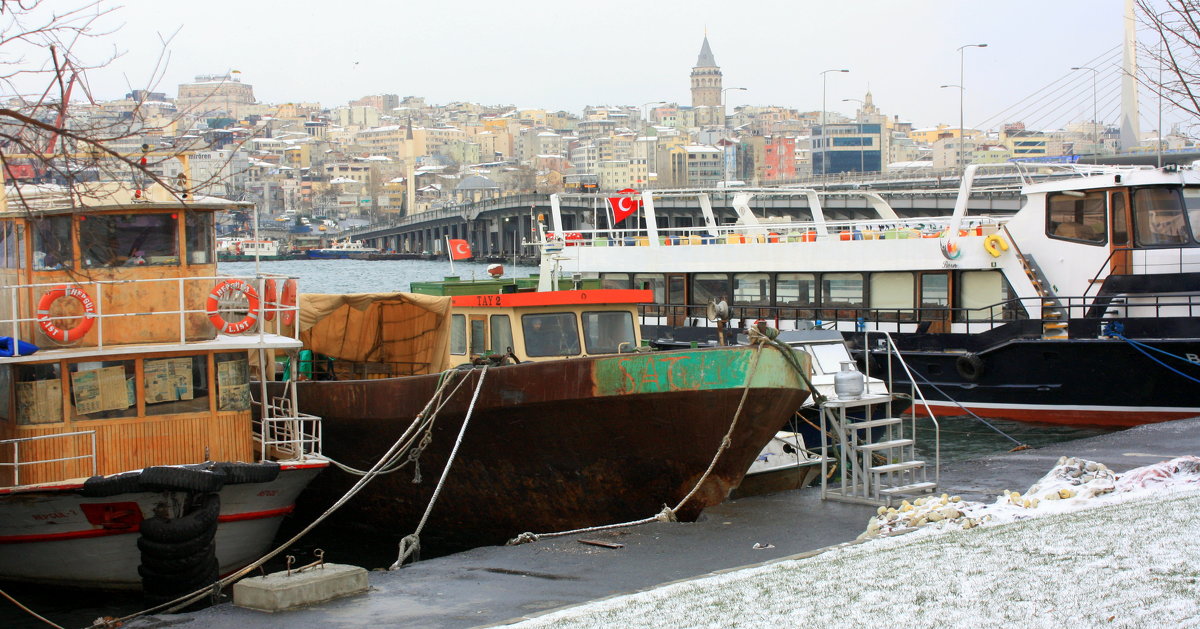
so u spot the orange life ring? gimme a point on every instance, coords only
(287, 301)
(269, 298)
(213, 306)
(57, 333)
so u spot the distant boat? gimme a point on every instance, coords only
(244, 249)
(342, 249)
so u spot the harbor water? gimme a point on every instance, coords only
(961, 438)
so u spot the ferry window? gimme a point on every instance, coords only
(176, 385)
(614, 280)
(52, 243)
(935, 290)
(478, 336)
(1120, 224)
(200, 237)
(985, 296)
(233, 381)
(892, 294)
(609, 332)
(841, 294)
(752, 289)
(458, 334)
(797, 290)
(108, 240)
(501, 334)
(654, 282)
(550, 334)
(1158, 217)
(39, 393)
(709, 286)
(1191, 200)
(103, 389)
(1077, 216)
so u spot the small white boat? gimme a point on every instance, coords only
(342, 249)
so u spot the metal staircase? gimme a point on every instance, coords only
(1054, 327)
(875, 448)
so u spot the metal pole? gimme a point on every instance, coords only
(824, 148)
(1095, 110)
(961, 93)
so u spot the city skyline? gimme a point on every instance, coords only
(530, 53)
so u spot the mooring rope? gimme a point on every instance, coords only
(667, 514)
(1142, 347)
(966, 410)
(30, 611)
(215, 588)
(411, 544)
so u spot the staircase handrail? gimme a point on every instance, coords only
(937, 429)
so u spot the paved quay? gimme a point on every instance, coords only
(496, 585)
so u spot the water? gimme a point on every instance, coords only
(962, 438)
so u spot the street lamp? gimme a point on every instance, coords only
(1095, 114)
(824, 155)
(961, 91)
(725, 125)
(861, 165)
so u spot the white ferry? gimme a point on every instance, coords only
(1079, 308)
(342, 249)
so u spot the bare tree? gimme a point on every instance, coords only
(1176, 26)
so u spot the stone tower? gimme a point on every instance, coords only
(706, 89)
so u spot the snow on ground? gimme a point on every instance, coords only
(1082, 547)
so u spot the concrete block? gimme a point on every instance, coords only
(280, 591)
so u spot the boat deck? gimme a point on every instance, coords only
(496, 585)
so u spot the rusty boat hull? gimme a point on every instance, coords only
(557, 445)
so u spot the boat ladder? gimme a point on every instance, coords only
(876, 449)
(1053, 325)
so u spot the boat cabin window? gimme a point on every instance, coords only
(550, 334)
(501, 329)
(13, 246)
(233, 381)
(1079, 216)
(103, 389)
(478, 335)
(1120, 223)
(39, 393)
(52, 243)
(615, 280)
(652, 281)
(108, 240)
(751, 289)
(175, 385)
(458, 334)
(609, 332)
(892, 296)
(986, 295)
(707, 287)
(842, 295)
(828, 356)
(200, 245)
(1160, 217)
(797, 290)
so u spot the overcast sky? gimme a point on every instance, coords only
(560, 54)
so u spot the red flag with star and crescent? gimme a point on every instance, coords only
(459, 249)
(624, 206)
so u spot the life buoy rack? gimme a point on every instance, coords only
(995, 245)
(57, 333)
(970, 366)
(287, 301)
(213, 306)
(269, 299)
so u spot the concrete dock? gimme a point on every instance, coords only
(497, 585)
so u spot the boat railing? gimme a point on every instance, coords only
(16, 462)
(283, 433)
(917, 396)
(111, 300)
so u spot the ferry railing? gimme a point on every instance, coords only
(234, 304)
(17, 463)
(893, 352)
(282, 432)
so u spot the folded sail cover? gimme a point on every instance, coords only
(401, 329)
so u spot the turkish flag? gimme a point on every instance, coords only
(624, 207)
(459, 249)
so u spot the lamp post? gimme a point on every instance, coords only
(725, 125)
(824, 152)
(961, 91)
(1095, 113)
(861, 161)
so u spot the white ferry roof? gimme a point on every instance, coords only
(1106, 176)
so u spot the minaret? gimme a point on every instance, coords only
(706, 89)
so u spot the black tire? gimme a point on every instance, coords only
(176, 550)
(970, 366)
(175, 565)
(105, 486)
(238, 473)
(189, 526)
(168, 478)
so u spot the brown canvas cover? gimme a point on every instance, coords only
(378, 328)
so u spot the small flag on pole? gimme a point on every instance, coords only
(459, 249)
(624, 207)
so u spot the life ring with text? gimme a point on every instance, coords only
(269, 299)
(57, 333)
(969, 366)
(287, 301)
(225, 289)
(995, 245)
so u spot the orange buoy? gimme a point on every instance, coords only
(286, 301)
(57, 333)
(213, 306)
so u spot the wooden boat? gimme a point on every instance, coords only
(131, 454)
(572, 426)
